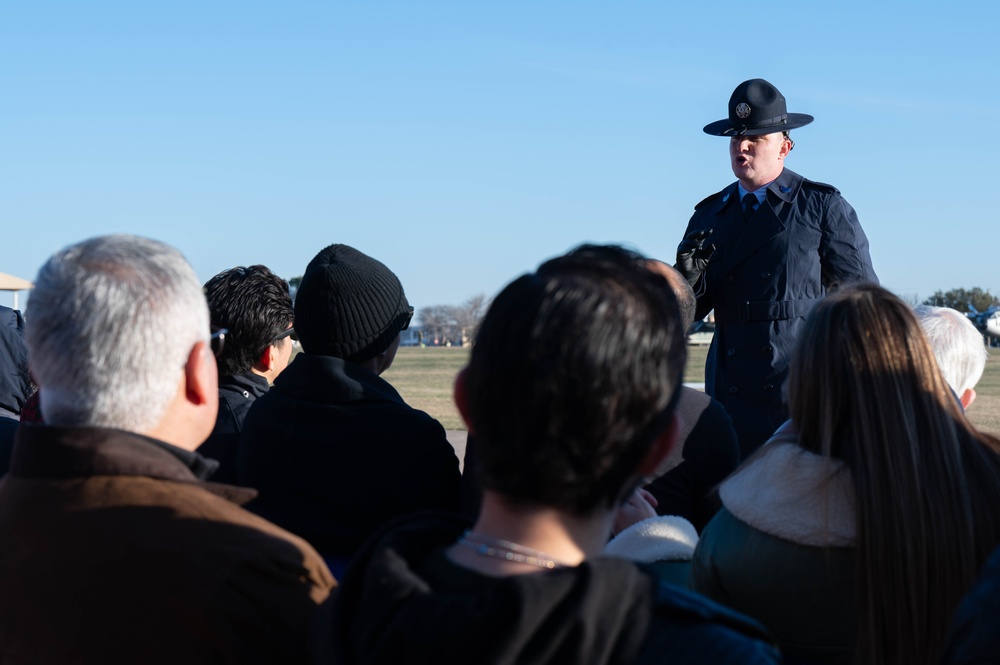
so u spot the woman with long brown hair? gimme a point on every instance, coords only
(855, 532)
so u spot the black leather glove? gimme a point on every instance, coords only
(693, 256)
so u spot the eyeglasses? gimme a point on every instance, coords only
(288, 333)
(217, 341)
(408, 319)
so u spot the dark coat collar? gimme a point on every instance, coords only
(335, 380)
(255, 384)
(59, 452)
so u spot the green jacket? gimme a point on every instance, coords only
(781, 551)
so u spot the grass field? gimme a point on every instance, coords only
(424, 378)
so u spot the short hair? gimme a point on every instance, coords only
(574, 374)
(959, 348)
(254, 305)
(109, 327)
(686, 300)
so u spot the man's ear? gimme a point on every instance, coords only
(461, 399)
(200, 374)
(661, 447)
(967, 398)
(786, 147)
(268, 357)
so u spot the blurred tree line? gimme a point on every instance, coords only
(452, 324)
(962, 299)
(441, 324)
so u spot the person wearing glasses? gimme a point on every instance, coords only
(254, 307)
(761, 253)
(113, 548)
(332, 447)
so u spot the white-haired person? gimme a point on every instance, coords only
(113, 549)
(958, 347)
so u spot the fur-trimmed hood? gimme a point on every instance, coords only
(794, 494)
(663, 538)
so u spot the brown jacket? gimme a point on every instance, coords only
(112, 551)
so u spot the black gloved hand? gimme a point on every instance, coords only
(693, 256)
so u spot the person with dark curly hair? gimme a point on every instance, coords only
(253, 306)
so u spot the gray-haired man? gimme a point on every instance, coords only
(112, 548)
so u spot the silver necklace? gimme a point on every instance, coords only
(499, 548)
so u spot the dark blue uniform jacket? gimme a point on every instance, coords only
(763, 279)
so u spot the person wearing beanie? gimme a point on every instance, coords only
(332, 448)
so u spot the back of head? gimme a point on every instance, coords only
(959, 348)
(574, 374)
(110, 325)
(878, 372)
(864, 387)
(349, 305)
(253, 304)
(686, 300)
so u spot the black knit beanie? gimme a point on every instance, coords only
(348, 305)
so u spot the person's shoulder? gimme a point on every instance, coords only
(973, 637)
(820, 187)
(677, 602)
(693, 628)
(718, 196)
(242, 533)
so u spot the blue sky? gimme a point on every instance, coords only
(461, 143)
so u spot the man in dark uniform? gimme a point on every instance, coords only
(760, 253)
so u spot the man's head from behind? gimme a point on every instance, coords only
(117, 331)
(253, 304)
(686, 301)
(349, 306)
(573, 377)
(958, 347)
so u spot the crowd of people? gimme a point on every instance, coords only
(196, 492)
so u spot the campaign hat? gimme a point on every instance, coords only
(757, 107)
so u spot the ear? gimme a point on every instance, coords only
(786, 147)
(268, 357)
(967, 398)
(200, 375)
(461, 399)
(661, 447)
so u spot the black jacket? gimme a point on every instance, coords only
(974, 638)
(763, 279)
(403, 601)
(706, 452)
(236, 394)
(15, 380)
(336, 453)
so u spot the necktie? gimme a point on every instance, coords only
(750, 204)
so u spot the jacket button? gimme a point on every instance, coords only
(731, 352)
(733, 389)
(765, 275)
(767, 349)
(769, 386)
(730, 278)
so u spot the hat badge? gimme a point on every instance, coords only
(743, 110)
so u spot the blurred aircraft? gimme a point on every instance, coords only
(988, 321)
